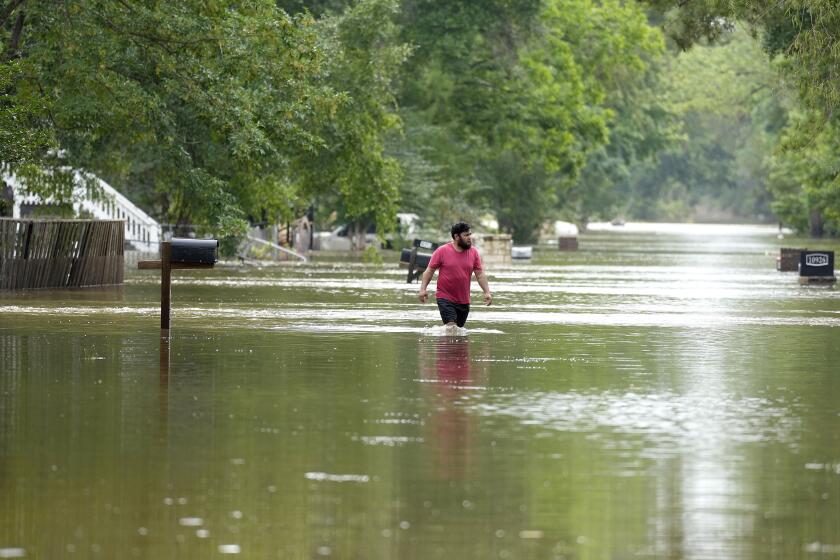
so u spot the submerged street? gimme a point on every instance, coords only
(663, 392)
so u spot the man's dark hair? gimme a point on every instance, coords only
(460, 227)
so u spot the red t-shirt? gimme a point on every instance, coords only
(454, 271)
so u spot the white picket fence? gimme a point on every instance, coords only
(103, 203)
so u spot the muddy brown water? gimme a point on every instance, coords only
(661, 393)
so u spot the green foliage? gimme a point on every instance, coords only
(206, 112)
(469, 96)
(353, 174)
(806, 32)
(21, 139)
(727, 99)
(371, 255)
(223, 112)
(805, 175)
(186, 104)
(804, 35)
(502, 111)
(641, 123)
(440, 180)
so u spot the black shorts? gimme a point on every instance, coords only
(451, 312)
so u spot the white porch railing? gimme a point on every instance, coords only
(276, 247)
(141, 230)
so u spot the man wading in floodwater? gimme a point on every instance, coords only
(457, 261)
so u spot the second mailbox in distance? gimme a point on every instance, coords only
(199, 251)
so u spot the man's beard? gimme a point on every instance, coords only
(463, 244)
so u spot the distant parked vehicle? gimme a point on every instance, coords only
(521, 252)
(565, 229)
(340, 237)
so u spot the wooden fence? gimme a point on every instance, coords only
(60, 253)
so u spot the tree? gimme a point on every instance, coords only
(523, 91)
(206, 112)
(805, 175)
(21, 142)
(804, 35)
(186, 104)
(463, 92)
(353, 174)
(641, 123)
(728, 100)
(806, 32)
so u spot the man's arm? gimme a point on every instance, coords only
(427, 277)
(485, 287)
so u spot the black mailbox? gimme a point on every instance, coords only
(194, 251)
(816, 263)
(420, 261)
(416, 261)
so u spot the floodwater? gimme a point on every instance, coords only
(661, 393)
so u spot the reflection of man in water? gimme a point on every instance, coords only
(450, 424)
(457, 261)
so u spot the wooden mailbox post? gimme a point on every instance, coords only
(179, 254)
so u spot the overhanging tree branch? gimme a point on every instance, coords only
(170, 45)
(7, 11)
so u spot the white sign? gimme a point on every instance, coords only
(816, 259)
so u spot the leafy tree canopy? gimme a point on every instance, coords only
(523, 94)
(803, 36)
(204, 111)
(805, 32)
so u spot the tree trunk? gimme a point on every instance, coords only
(7, 10)
(14, 41)
(358, 240)
(816, 223)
